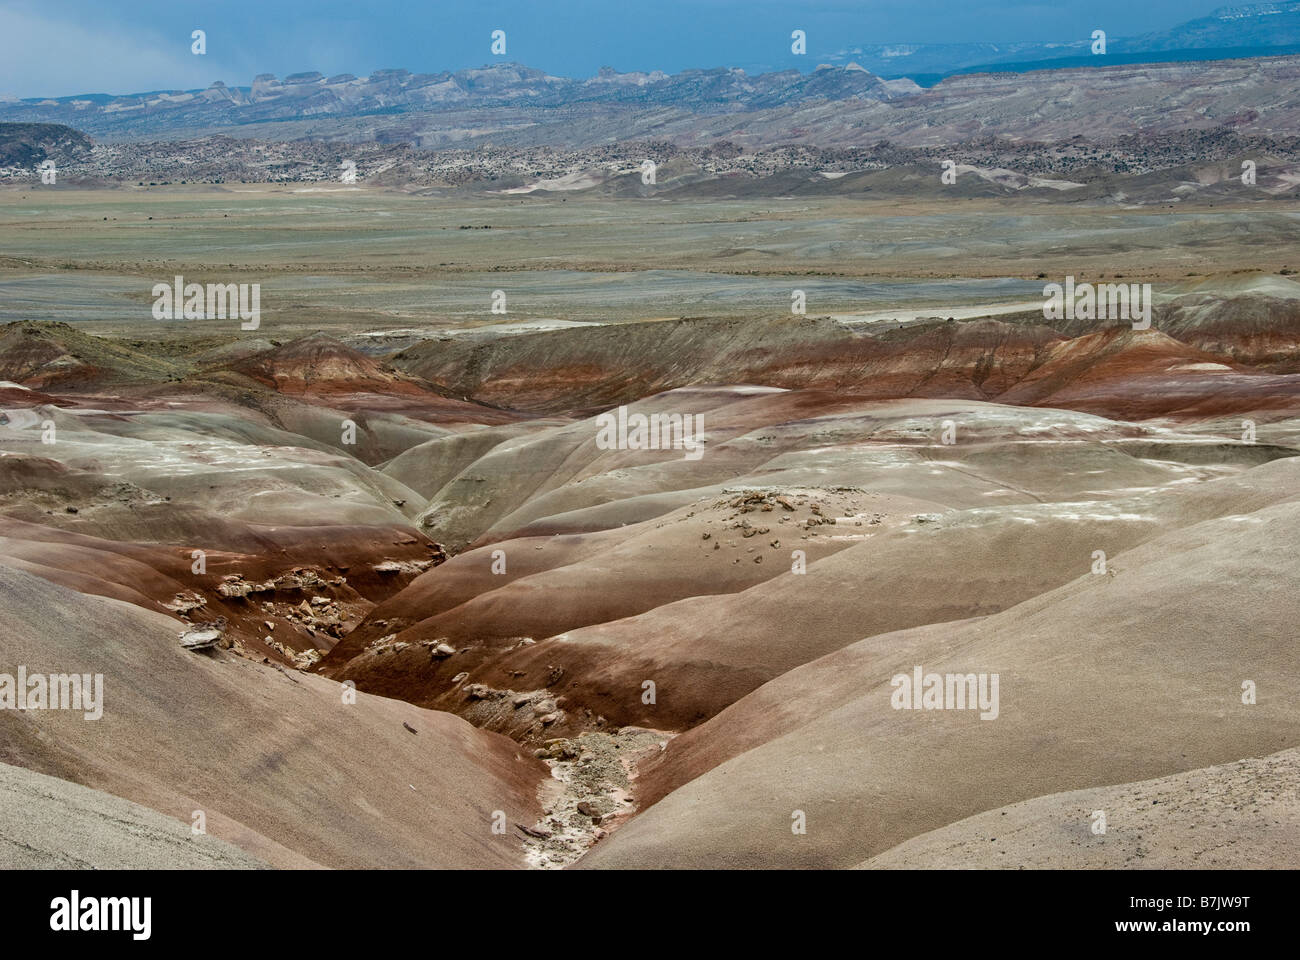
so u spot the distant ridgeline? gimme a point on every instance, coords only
(868, 72)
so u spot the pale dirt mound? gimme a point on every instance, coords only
(706, 652)
(719, 546)
(1141, 374)
(427, 467)
(559, 481)
(51, 824)
(742, 430)
(321, 365)
(209, 462)
(1258, 330)
(915, 567)
(321, 386)
(463, 578)
(1236, 816)
(1155, 646)
(987, 557)
(549, 472)
(57, 356)
(368, 427)
(279, 763)
(704, 601)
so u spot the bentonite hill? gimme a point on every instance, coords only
(815, 468)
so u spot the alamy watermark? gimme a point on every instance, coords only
(1103, 301)
(75, 913)
(946, 691)
(214, 301)
(621, 430)
(55, 691)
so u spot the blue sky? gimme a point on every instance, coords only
(64, 47)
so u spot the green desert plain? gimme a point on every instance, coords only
(347, 260)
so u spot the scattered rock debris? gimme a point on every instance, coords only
(200, 639)
(389, 568)
(186, 603)
(805, 509)
(205, 636)
(589, 794)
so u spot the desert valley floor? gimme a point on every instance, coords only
(567, 655)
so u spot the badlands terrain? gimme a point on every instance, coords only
(443, 625)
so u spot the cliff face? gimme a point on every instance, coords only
(831, 106)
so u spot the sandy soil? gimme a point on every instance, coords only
(280, 762)
(1081, 667)
(51, 824)
(1236, 816)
